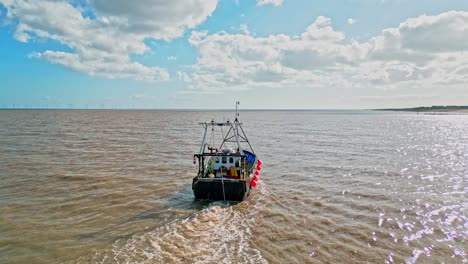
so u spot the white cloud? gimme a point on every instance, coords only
(270, 2)
(160, 19)
(425, 51)
(109, 68)
(244, 29)
(183, 76)
(103, 45)
(351, 21)
(446, 32)
(321, 31)
(172, 58)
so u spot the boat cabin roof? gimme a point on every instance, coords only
(220, 153)
(213, 123)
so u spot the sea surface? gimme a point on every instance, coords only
(114, 186)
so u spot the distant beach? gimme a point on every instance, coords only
(432, 109)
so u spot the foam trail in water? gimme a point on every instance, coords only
(214, 235)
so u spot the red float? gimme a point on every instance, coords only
(257, 173)
(255, 178)
(253, 183)
(259, 162)
(259, 168)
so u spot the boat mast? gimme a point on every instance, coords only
(236, 129)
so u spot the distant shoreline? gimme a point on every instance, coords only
(431, 109)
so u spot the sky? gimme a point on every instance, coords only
(206, 54)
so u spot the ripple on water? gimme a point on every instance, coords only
(336, 186)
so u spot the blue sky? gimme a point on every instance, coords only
(207, 54)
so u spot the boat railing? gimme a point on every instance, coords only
(224, 170)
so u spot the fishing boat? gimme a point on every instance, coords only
(227, 171)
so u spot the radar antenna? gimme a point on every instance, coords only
(237, 114)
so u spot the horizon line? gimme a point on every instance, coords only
(5, 107)
(186, 109)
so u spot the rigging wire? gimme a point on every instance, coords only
(222, 134)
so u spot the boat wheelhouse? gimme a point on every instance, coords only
(225, 171)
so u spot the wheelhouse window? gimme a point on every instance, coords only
(223, 160)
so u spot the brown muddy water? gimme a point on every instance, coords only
(88, 186)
